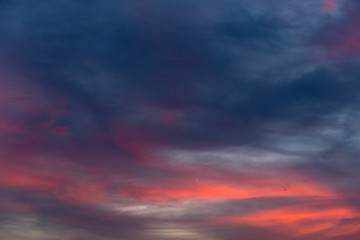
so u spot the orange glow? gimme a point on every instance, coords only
(201, 190)
(299, 220)
(287, 215)
(346, 229)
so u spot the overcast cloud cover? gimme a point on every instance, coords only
(179, 120)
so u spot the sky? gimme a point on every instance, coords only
(179, 120)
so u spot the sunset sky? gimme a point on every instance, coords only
(180, 119)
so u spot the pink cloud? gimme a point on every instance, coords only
(328, 6)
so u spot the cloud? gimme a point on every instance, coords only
(182, 120)
(328, 6)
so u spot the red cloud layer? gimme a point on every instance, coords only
(84, 183)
